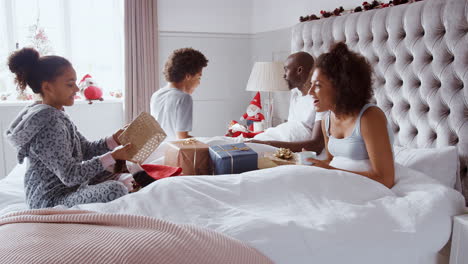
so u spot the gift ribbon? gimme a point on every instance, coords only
(235, 148)
(232, 158)
(188, 142)
(281, 153)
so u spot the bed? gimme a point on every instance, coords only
(303, 214)
(419, 53)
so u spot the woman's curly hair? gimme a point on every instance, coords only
(350, 75)
(182, 62)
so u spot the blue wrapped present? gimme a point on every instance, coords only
(233, 158)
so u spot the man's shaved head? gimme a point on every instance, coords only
(297, 68)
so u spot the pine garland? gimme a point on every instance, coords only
(364, 7)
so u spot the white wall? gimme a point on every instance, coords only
(274, 46)
(214, 16)
(241, 16)
(233, 35)
(221, 96)
(219, 29)
(268, 15)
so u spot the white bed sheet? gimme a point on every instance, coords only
(296, 214)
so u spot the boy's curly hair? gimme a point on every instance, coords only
(182, 62)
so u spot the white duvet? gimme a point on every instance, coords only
(290, 131)
(301, 214)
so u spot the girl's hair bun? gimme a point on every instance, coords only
(22, 64)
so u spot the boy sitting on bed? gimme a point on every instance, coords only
(301, 108)
(172, 105)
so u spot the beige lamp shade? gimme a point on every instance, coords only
(267, 77)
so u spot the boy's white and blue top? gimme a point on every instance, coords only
(173, 109)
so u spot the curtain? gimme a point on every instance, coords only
(141, 56)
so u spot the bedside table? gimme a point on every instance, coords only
(459, 251)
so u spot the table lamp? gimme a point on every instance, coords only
(267, 77)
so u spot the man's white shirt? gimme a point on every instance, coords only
(301, 108)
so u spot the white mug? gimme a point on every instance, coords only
(258, 126)
(304, 155)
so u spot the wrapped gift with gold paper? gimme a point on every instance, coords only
(265, 163)
(233, 158)
(189, 154)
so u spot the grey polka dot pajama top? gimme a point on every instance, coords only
(64, 168)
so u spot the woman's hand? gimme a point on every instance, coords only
(122, 153)
(319, 163)
(118, 133)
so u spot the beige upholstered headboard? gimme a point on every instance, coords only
(419, 53)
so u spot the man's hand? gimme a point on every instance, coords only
(258, 141)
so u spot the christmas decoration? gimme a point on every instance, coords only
(364, 7)
(39, 39)
(4, 97)
(235, 130)
(284, 153)
(24, 96)
(89, 89)
(253, 115)
(116, 94)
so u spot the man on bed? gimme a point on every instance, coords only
(297, 69)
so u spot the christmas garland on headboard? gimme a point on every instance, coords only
(364, 7)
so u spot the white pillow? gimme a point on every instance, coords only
(438, 163)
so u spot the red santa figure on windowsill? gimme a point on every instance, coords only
(89, 89)
(253, 115)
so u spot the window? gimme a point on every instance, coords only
(89, 33)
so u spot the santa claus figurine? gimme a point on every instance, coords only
(235, 130)
(89, 89)
(253, 115)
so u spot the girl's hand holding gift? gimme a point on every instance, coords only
(122, 153)
(118, 133)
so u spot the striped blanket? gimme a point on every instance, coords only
(78, 236)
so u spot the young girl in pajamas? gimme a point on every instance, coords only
(63, 167)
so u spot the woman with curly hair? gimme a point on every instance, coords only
(356, 132)
(172, 105)
(63, 167)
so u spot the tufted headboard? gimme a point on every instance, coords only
(419, 53)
